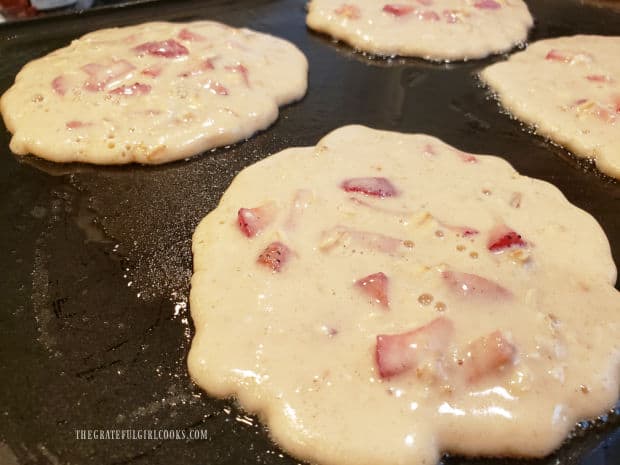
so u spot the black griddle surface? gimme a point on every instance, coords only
(94, 329)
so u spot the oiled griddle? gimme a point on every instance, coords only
(94, 330)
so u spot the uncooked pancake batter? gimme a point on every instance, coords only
(569, 90)
(151, 93)
(382, 298)
(431, 29)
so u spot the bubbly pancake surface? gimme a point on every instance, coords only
(431, 29)
(382, 298)
(151, 93)
(569, 89)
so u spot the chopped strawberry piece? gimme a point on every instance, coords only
(251, 221)
(398, 353)
(376, 187)
(429, 150)
(219, 89)
(166, 48)
(216, 88)
(428, 15)
(368, 240)
(604, 114)
(556, 55)
(152, 71)
(487, 355)
(487, 5)
(60, 85)
(302, 200)
(375, 241)
(397, 9)
(466, 157)
(102, 75)
(241, 70)
(371, 206)
(501, 237)
(190, 36)
(135, 89)
(451, 16)
(208, 64)
(274, 256)
(348, 11)
(75, 124)
(598, 78)
(472, 285)
(376, 287)
(462, 231)
(564, 56)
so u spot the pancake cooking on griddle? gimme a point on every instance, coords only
(151, 93)
(417, 297)
(432, 29)
(568, 89)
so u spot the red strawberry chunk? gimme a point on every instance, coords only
(429, 150)
(166, 48)
(152, 71)
(102, 75)
(487, 5)
(605, 114)
(428, 15)
(60, 85)
(208, 64)
(348, 11)
(556, 55)
(274, 256)
(565, 56)
(251, 221)
(501, 237)
(461, 231)
(464, 231)
(190, 36)
(217, 88)
(487, 355)
(466, 157)
(376, 287)
(398, 353)
(472, 285)
(241, 70)
(135, 89)
(397, 9)
(376, 187)
(75, 124)
(598, 78)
